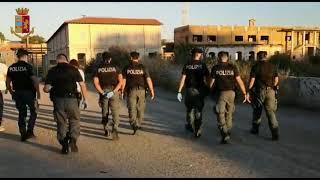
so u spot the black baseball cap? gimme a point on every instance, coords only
(20, 52)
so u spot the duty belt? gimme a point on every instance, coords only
(137, 87)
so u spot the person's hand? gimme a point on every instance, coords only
(179, 97)
(109, 94)
(248, 98)
(84, 104)
(152, 95)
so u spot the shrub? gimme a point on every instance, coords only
(315, 60)
(282, 61)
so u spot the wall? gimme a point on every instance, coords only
(92, 39)
(302, 92)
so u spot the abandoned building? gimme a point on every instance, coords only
(84, 38)
(244, 42)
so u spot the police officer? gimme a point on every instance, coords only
(107, 81)
(195, 76)
(263, 84)
(61, 83)
(225, 76)
(24, 91)
(136, 79)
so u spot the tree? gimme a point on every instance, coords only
(2, 37)
(36, 39)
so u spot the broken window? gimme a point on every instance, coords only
(238, 55)
(307, 37)
(288, 38)
(197, 38)
(82, 59)
(238, 38)
(264, 38)
(212, 38)
(252, 38)
(212, 55)
(152, 55)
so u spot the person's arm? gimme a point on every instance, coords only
(150, 85)
(251, 83)
(276, 81)
(211, 83)
(119, 85)
(84, 90)
(182, 81)
(124, 81)
(241, 85)
(8, 84)
(96, 84)
(36, 85)
(243, 89)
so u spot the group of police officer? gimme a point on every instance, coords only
(134, 83)
(222, 82)
(61, 82)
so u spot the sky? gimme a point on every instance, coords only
(46, 17)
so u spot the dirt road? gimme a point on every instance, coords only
(163, 148)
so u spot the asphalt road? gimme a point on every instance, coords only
(163, 148)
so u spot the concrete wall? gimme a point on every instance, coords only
(302, 92)
(92, 39)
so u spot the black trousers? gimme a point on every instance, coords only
(25, 100)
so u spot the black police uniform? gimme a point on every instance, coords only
(63, 78)
(108, 73)
(196, 90)
(224, 75)
(24, 94)
(264, 95)
(136, 75)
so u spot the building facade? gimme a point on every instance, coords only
(82, 39)
(244, 42)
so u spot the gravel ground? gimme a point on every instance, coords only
(163, 148)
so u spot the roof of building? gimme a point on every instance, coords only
(109, 20)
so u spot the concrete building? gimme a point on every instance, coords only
(84, 38)
(244, 42)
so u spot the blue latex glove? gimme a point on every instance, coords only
(108, 94)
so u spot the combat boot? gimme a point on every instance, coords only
(65, 145)
(23, 135)
(225, 137)
(275, 134)
(255, 129)
(115, 134)
(73, 146)
(30, 134)
(135, 128)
